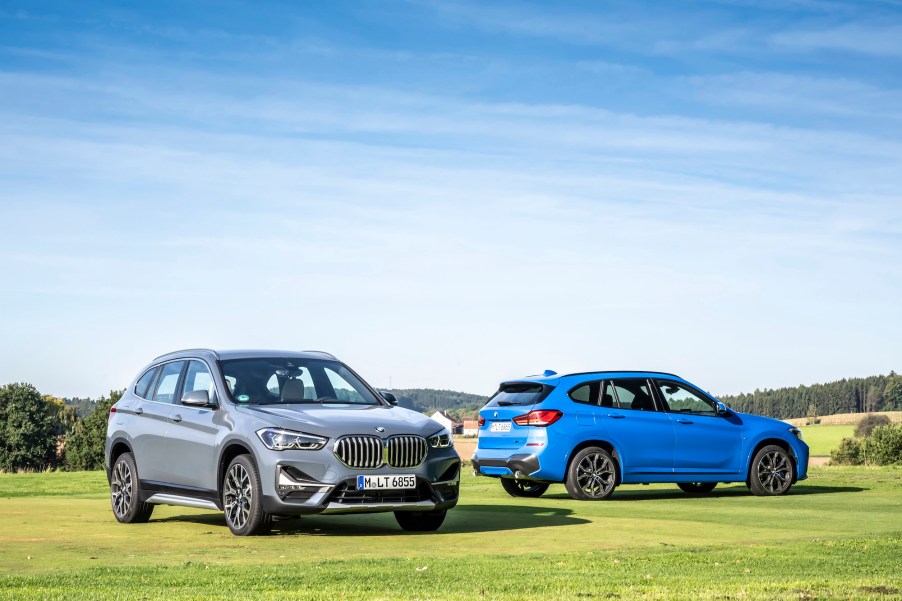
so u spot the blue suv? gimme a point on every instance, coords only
(595, 431)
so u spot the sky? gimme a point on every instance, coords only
(449, 194)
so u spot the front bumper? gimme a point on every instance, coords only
(296, 493)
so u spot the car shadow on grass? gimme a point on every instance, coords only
(462, 519)
(632, 493)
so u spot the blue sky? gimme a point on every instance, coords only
(446, 194)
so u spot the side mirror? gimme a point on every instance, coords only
(196, 398)
(721, 409)
(389, 397)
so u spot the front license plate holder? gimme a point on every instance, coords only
(387, 482)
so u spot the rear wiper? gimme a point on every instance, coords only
(507, 403)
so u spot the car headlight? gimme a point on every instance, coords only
(441, 440)
(277, 439)
(796, 432)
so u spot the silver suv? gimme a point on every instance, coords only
(264, 434)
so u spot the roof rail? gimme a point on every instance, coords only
(324, 353)
(188, 350)
(624, 371)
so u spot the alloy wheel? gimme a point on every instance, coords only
(121, 488)
(238, 496)
(774, 472)
(595, 475)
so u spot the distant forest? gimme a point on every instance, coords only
(853, 395)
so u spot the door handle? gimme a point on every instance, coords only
(684, 421)
(616, 415)
(139, 411)
(176, 418)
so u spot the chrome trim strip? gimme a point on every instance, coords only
(167, 499)
(377, 507)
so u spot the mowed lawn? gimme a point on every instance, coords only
(822, 439)
(838, 535)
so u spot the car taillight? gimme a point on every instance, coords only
(481, 421)
(540, 417)
(112, 411)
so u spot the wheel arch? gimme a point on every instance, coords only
(604, 444)
(119, 446)
(783, 444)
(230, 450)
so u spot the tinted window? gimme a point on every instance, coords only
(680, 398)
(519, 393)
(633, 393)
(293, 380)
(586, 393)
(198, 377)
(169, 379)
(144, 383)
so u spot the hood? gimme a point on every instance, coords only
(333, 420)
(761, 422)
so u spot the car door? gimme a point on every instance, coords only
(705, 442)
(642, 434)
(192, 434)
(149, 428)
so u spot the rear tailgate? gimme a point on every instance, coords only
(513, 399)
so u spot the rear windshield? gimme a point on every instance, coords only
(519, 393)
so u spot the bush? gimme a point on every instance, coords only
(849, 452)
(27, 428)
(84, 446)
(884, 445)
(867, 425)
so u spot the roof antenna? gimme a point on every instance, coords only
(549, 372)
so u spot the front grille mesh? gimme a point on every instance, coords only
(369, 452)
(360, 451)
(406, 451)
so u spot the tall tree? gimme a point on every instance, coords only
(28, 425)
(84, 446)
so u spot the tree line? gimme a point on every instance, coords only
(850, 395)
(40, 432)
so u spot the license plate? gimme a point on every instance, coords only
(500, 427)
(384, 482)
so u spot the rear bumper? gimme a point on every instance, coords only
(520, 465)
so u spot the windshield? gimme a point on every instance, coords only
(292, 380)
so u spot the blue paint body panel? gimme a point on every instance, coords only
(658, 445)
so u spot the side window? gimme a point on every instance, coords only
(198, 377)
(679, 398)
(586, 393)
(583, 393)
(141, 388)
(633, 393)
(168, 380)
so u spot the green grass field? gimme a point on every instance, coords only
(838, 535)
(823, 439)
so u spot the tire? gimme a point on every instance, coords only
(242, 500)
(697, 488)
(420, 521)
(523, 488)
(592, 475)
(771, 472)
(125, 492)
